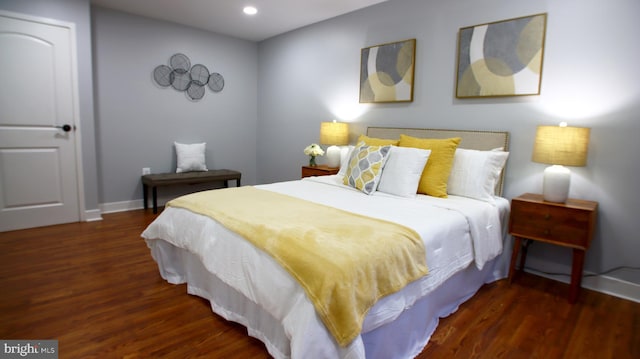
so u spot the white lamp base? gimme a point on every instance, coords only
(555, 186)
(333, 156)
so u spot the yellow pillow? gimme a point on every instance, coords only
(435, 175)
(372, 141)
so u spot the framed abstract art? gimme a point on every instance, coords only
(386, 72)
(502, 58)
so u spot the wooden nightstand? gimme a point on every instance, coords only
(569, 224)
(320, 170)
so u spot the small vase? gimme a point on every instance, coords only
(312, 161)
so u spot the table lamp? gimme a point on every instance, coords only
(560, 146)
(334, 134)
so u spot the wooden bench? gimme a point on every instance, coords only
(170, 179)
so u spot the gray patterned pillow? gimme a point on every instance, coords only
(365, 167)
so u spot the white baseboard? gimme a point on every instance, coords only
(122, 206)
(92, 215)
(613, 286)
(600, 283)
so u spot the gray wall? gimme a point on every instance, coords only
(137, 121)
(77, 12)
(590, 78)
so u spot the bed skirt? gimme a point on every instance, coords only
(405, 337)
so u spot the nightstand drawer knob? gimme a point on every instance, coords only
(547, 216)
(547, 232)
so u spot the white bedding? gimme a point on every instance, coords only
(457, 232)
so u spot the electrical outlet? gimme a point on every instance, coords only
(146, 171)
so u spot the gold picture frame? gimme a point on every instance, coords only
(387, 72)
(502, 58)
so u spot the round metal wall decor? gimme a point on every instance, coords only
(195, 91)
(183, 77)
(181, 80)
(163, 75)
(199, 74)
(216, 82)
(180, 63)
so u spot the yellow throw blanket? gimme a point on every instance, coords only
(344, 261)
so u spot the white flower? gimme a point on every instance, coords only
(313, 150)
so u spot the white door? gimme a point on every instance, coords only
(38, 167)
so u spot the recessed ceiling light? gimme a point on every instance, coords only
(250, 10)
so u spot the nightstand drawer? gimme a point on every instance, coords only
(544, 222)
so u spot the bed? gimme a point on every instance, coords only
(465, 246)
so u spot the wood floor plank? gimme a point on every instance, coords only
(95, 288)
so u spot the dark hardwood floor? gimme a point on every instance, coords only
(95, 288)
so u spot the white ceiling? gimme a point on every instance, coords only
(226, 17)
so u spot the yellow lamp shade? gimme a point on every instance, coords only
(334, 133)
(561, 145)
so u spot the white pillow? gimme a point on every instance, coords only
(402, 172)
(190, 157)
(345, 154)
(475, 173)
